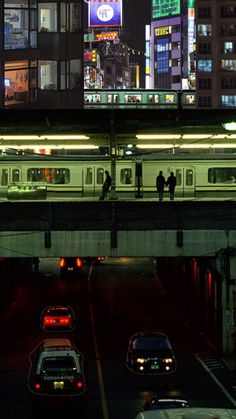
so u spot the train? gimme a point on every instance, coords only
(133, 176)
(139, 99)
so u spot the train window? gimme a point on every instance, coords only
(178, 177)
(153, 98)
(222, 175)
(169, 99)
(112, 98)
(4, 179)
(89, 176)
(92, 98)
(100, 176)
(48, 175)
(189, 177)
(126, 176)
(133, 98)
(15, 175)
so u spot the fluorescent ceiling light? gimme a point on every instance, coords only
(158, 136)
(196, 136)
(229, 126)
(155, 146)
(43, 137)
(224, 145)
(50, 146)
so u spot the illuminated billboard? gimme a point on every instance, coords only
(105, 13)
(165, 8)
(90, 56)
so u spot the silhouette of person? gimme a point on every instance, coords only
(171, 182)
(160, 184)
(106, 186)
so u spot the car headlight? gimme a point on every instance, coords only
(140, 360)
(168, 360)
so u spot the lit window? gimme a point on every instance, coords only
(47, 75)
(205, 65)
(228, 101)
(47, 15)
(228, 47)
(204, 30)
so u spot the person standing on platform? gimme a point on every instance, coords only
(160, 184)
(171, 182)
(106, 186)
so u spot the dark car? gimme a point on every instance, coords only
(150, 353)
(57, 318)
(96, 260)
(154, 403)
(70, 266)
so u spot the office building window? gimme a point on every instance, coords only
(228, 11)
(75, 73)
(228, 47)
(204, 48)
(47, 75)
(204, 30)
(228, 65)
(228, 30)
(204, 84)
(204, 12)
(204, 65)
(19, 79)
(204, 101)
(228, 83)
(228, 101)
(70, 17)
(47, 17)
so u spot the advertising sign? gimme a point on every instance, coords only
(103, 36)
(105, 13)
(90, 56)
(165, 8)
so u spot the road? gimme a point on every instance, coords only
(111, 302)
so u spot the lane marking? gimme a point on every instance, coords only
(97, 354)
(226, 393)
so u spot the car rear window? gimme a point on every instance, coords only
(57, 312)
(60, 363)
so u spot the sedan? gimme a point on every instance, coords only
(154, 402)
(150, 353)
(57, 318)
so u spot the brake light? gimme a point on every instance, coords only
(79, 384)
(64, 320)
(37, 386)
(48, 320)
(79, 262)
(62, 262)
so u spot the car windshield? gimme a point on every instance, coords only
(151, 343)
(52, 365)
(57, 312)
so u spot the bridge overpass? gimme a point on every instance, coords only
(117, 228)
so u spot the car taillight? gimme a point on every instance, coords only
(79, 384)
(37, 386)
(48, 320)
(62, 262)
(79, 262)
(64, 320)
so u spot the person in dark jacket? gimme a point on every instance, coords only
(106, 186)
(160, 184)
(171, 182)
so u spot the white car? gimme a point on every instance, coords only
(189, 412)
(56, 368)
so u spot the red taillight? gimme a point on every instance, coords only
(64, 320)
(79, 384)
(62, 262)
(37, 386)
(79, 262)
(48, 320)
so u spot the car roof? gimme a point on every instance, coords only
(153, 334)
(188, 413)
(54, 343)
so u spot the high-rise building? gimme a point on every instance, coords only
(41, 54)
(216, 53)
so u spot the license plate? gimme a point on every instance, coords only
(154, 367)
(58, 385)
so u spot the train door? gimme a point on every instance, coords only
(185, 181)
(4, 179)
(93, 177)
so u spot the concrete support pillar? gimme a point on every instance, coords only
(226, 265)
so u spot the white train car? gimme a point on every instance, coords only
(134, 176)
